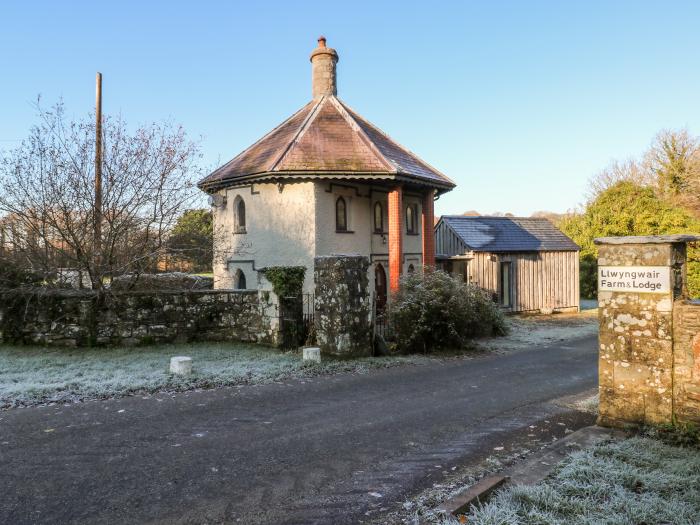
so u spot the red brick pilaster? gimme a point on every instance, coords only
(395, 237)
(428, 232)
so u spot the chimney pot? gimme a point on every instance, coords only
(323, 76)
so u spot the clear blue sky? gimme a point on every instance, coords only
(518, 102)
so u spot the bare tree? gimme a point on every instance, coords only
(674, 160)
(47, 194)
(629, 170)
(671, 166)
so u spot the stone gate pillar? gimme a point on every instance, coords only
(342, 306)
(640, 279)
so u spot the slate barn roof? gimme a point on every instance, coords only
(509, 234)
(326, 138)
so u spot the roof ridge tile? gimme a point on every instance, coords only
(300, 132)
(356, 116)
(372, 146)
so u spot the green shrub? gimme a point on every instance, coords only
(437, 311)
(588, 276)
(287, 281)
(626, 208)
(679, 434)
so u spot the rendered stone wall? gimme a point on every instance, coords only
(646, 352)
(280, 231)
(303, 215)
(74, 318)
(342, 305)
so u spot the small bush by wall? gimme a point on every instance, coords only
(436, 311)
(287, 281)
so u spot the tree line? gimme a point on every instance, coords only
(657, 193)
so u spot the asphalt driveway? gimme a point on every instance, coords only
(338, 449)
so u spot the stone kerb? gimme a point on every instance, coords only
(640, 279)
(342, 305)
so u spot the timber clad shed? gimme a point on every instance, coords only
(525, 262)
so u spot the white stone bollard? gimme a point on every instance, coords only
(312, 353)
(181, 365)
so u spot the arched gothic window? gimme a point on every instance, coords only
(378, 217)
(411, 268)
(239, 215)
(341, 215)
(239, 281)
(411, 213)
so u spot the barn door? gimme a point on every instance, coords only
(460, 268)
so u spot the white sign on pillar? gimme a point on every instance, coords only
(638, 279)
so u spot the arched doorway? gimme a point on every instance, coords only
(380, 287)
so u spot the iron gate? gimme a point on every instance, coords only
(296, 319)
(379, 319)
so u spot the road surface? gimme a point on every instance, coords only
(335, 449)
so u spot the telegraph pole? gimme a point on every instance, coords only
(98, 166)
(97, 240)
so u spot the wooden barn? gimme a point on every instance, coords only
(526, 263)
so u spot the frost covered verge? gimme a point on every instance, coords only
(537, 330)
(35, 375)
(637, 480)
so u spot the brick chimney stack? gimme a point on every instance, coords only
(323, 61)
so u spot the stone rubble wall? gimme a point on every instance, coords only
(648, 343)
(686, 360)
(81, 318)
(342, 308)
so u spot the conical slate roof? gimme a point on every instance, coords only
(326, 139)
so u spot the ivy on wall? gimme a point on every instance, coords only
(287, 281)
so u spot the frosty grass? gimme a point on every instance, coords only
(637, 480)
(33, 375)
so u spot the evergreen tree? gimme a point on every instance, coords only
(192, 240)
(626, 208)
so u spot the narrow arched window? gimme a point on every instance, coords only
(341, 215)
(378, 218)
(239, 281)
(411, 268)
(239, 215)
(411, 219)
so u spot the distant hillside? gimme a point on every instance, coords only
(554, 218)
